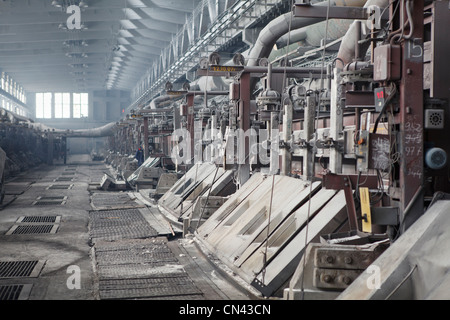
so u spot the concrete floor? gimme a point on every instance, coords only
(72, 269)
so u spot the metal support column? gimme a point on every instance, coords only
(286, 157)
(336, 122)
(244, 126)
(411, 120)
(190, 120)
(50, 148)
(146, 146)
(274, 143)
(308, 129)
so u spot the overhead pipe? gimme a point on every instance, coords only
(104, 131)
(161, 101)
(347, 50)
(313, 35)
(283, 24)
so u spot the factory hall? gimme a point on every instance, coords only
(224, 157)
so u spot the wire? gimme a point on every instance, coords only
(302, 289)
(268, 230)
(287, 48)
(207, 199)
(273, 174)
(383, 109)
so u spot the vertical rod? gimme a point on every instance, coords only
(336, 121)
(287, 136)
(146, 146)
(244, 126)
(308, 129)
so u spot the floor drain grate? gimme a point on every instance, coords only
(119, 224)
(63, 179)
(33, 229)
(15, 292)
(48, 203)
(20, 269)
(39, 219)
(60, 187)
(57, 198)
(180, 286)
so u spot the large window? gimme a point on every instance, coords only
(80, 105)
(62, 105)
(44, 105)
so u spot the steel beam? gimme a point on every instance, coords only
(305, 10)
(411, 120)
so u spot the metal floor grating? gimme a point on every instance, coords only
(20, 269)
(101, 199)
(142, 268)
(54, 198)
(144, 256)
(33, 229)
(63, 179)
(15, 292)
(119, 224)
(48, 203)
(60, 187)
(156, 287)
(39, 219)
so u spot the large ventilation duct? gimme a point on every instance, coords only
(104, 131)
(283, 24)
(161, 101)
(347, 49)
(312, 35)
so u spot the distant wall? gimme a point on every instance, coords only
(105, 106)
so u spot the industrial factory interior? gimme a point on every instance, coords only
(260, 151)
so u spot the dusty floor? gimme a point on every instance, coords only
(63, 239)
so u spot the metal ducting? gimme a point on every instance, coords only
(104, 131)
(347, 49)
(282, 25)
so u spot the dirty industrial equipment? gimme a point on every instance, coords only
(336, 152)
(309, 154)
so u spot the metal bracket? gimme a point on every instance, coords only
(348, 183)
(336, 266)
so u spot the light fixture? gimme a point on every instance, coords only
(56, 3)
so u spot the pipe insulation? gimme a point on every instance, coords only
(104, 131)
(283, 24)
(347, 49)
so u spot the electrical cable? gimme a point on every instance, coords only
(386, 103)
(273, 174)
(268, 231)
(207, 199)
(302, 289)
